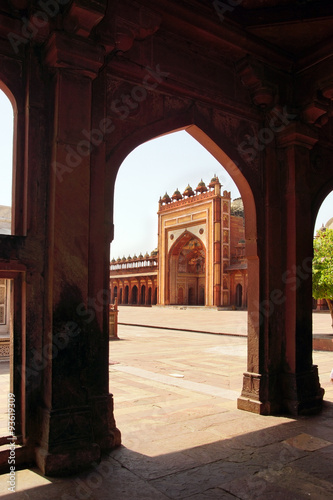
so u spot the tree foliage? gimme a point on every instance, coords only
(322, 267)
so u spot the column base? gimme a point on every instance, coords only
(295, 394)
(302, 394)
(73, 438)
(259, 394)
(253, 406)
(106, 434)
(67, 463)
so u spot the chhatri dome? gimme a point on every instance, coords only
(177, 195)
(202, 188)
(188, 191)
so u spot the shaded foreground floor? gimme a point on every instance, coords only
(183, 437)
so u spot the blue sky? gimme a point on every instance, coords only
(157, 166)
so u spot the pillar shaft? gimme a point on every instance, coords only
(77, 413)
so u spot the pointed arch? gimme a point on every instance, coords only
(8, 154)
(187, 270)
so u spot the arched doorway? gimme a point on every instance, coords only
(6, 148)
(239, 295)
(134, 298)
(143, 295)
(11, 295)
(322, 320)
(126, 294)
(187, 270)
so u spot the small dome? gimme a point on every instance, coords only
(124, 258)
(147, 255)
(129, 258)
(113, 260)
(154, 252)
(177, 195)
(215, 180)
(134, 256)
(166, 198)
(188, 191)
(119, 259)
(202, 188)
(140, 256)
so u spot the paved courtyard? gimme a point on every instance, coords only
(175, 395)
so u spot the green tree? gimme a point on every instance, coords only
(322, 268)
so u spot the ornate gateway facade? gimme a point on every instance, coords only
(200, 258)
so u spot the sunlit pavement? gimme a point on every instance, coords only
(175, 398)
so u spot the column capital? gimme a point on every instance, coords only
(71, 52)
(297, 134)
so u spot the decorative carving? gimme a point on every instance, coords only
(82, 17)
(252, 74)
(126, 24)
(4, 348)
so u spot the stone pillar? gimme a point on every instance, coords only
(281, 376)
(76, 413)
(301, 391)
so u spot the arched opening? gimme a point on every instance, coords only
(134, 297)
(221, 154)
(126, 294)
(120, 300)
(143, 295)
(7, 148)
(322, 283)
(239, 295)
(187, 270)
(201, 291)
(149, 296)
(11, 296)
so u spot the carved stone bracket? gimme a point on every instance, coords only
(125, 24)
(252, 74)
(320, 110)
(65, 51)
(83, 16)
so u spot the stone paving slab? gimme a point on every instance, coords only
(183, 439)
(204, 319)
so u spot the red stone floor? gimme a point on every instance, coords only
(175, 398)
